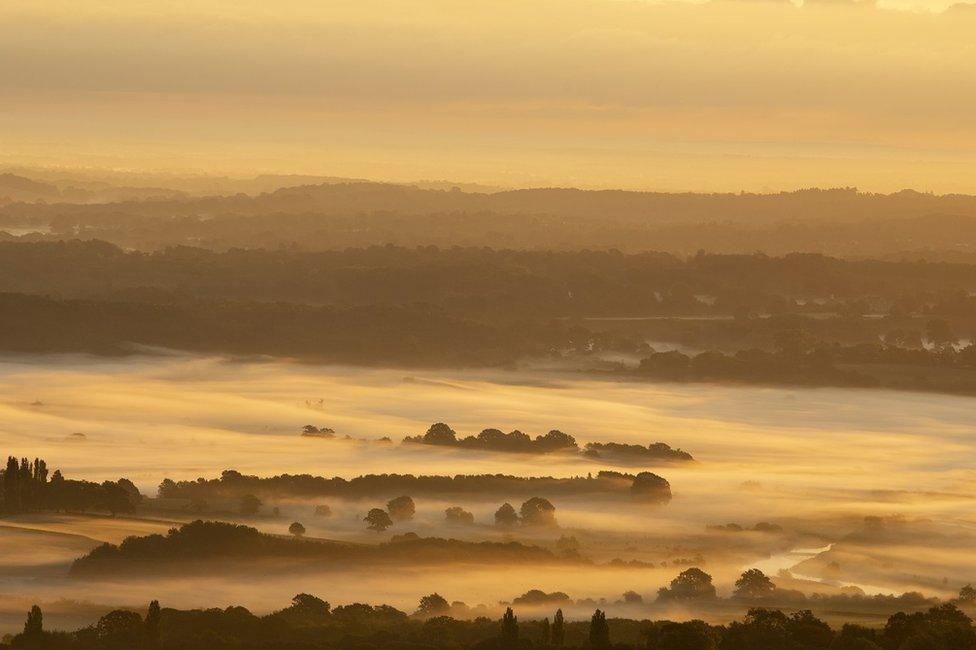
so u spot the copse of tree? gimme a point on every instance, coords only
(401, 508)
(305, 610)
(632, 598)
(690, 584)
(651, 488)
(442, 435)
(753, 584)
(297, 529)
(205, 547)
(432, 605)
(312, 431)
(656, 451)
(690, 635)
(967, 594)
(249, 505)
(539, 597)
(538, 512)
(121, 629)
(231, 484)
(26, 488)
(505, 516)
(458, 516)
(377, 519)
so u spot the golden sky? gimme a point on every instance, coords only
(722, 95)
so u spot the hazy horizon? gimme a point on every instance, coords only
(720, 96)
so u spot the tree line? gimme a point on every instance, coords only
(26, 487)
(311, 623)
(442, 435)
(495, 285)
(643, 486)
(802, 361)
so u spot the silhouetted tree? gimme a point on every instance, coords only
(505, 516)
(250, 504)
(440, 434)
(808, 631)
(35, 622)
(377, 519)
(510, 632)
(632, 598)
(401, 508)
(690, 635)
(152, 622)
(433, 605)
(458, 515)
(942, 626)
(120, 630)
(545, 633)
(296, 529)
(691, 584)
(761, 629)
(967, 594)
(558, 629)
(753, 584)
(650, 487)
(538, 512)
(305, 610)
(599, 637)
(855, 637)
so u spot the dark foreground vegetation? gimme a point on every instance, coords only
(312, 623)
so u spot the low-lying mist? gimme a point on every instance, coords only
(812, 462)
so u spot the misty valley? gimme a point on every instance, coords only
(487, 325)
(197, 481)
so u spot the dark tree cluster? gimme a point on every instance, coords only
(311, 623)
(645, 486)
(458, 516)
(210, 546)
(866, 364)
(312, 431)
(496, 440)
(656, 451)
(535, 512)
(379, 334)
(27, 487)
(442, 435)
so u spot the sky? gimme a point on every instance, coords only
(717, 96)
